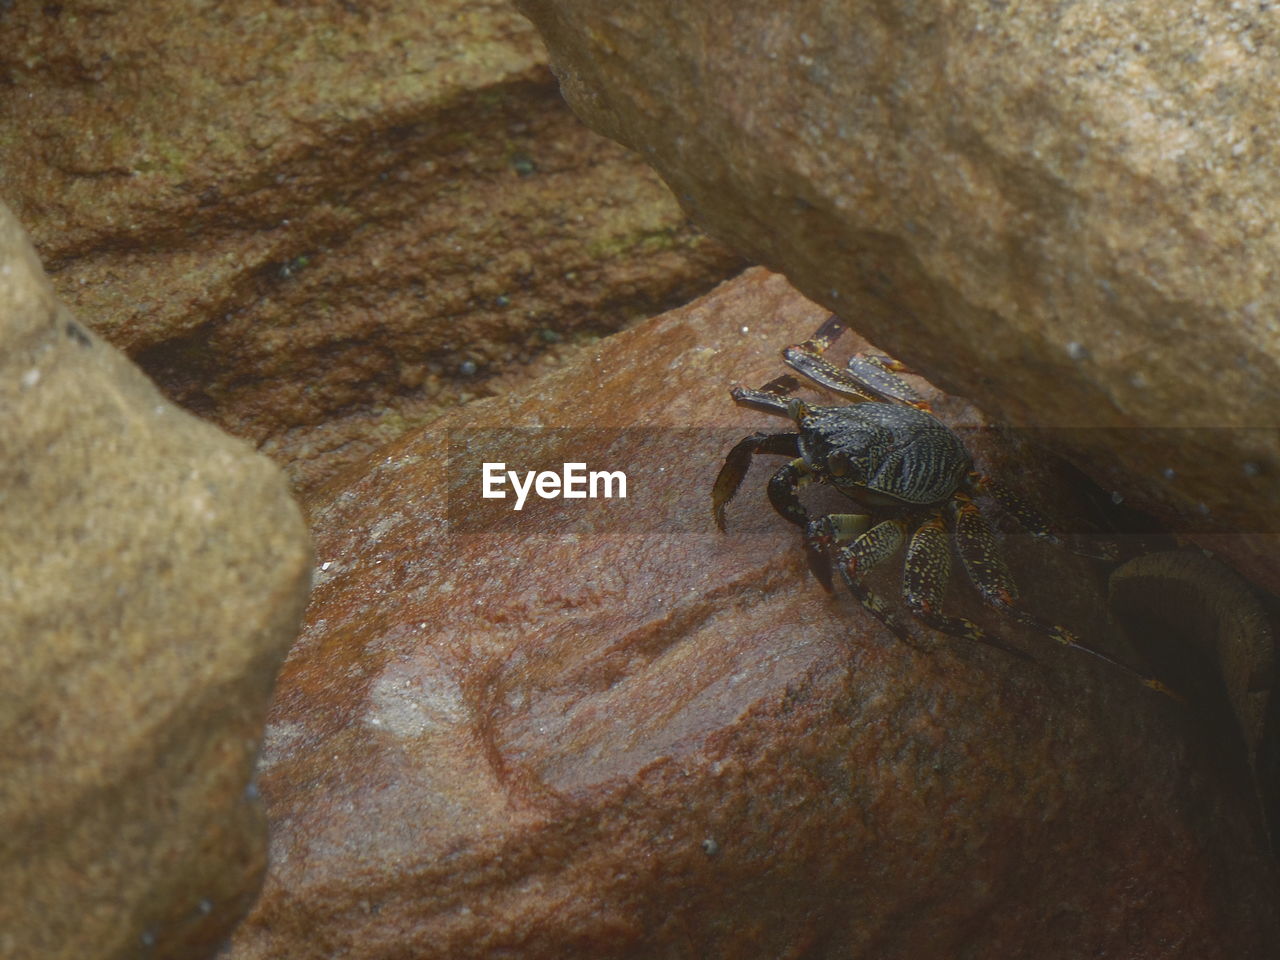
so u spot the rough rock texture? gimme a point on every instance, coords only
(1062, 210)
(603, 729)
(152, 574)
(319, 224)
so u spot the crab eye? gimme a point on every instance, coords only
(838, 465)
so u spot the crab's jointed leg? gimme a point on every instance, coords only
(866, 378)
(824, 534)
(768, 399)
(1029, 518)
(825, 335)
(738, 461)
(924, 584)
(981, 557)
(861, 555)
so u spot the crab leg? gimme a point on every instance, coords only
(771, 398)
(924, 584)
(860, 556)
(739, 460)
(867, 377)
(825, 335)
(1028, 517)
(822, 535)
(990, 576)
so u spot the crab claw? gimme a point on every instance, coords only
(819, 535)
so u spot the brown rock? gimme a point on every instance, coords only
(1059, 211)
(319, 225)
(154, 572)
(603, 729)
(1203, 607)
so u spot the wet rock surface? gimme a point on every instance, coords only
(604, 729)
(154, 572)
(1057, 210)
(320, 225)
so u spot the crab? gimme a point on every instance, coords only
(914, 483)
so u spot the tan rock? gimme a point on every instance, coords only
(153, 574)
(1062, 211)
(603, 729)
(320, 225)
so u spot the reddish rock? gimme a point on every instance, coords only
(319, 225)
(604, 729)
(1058, 210)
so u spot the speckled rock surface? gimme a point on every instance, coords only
(1062, 211)
(603, 729)
(320, 224)
(152, 574)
